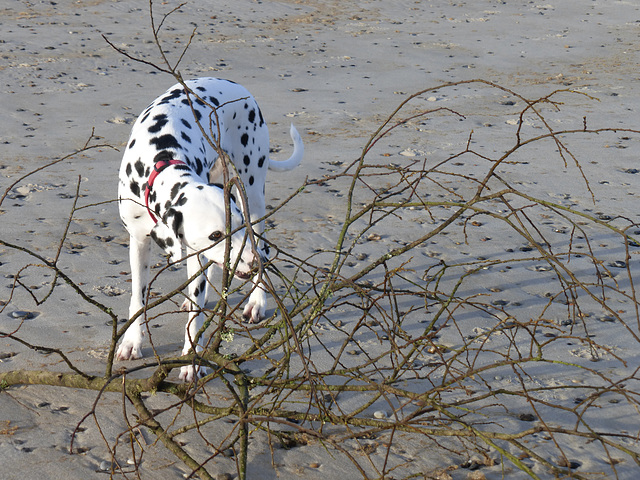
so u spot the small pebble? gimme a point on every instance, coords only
(476, 475)
(23, 315)
(314, 465)
(380, 414)
(105, 466)
(542, 268)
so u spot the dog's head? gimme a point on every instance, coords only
(197, 221)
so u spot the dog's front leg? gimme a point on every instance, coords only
(131, 346)
(196, 302)
(254, 310)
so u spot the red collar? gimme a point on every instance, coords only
(157, 169)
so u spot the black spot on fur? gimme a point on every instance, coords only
(199, 167)
(174, 190)
(246, 160)
(135, 188)
(185, 137)
(165, 141)
(133, 142)
(202, 89)
(176, 225)
(139, 166)
(244, 139)
(200, 288)
(251, 180)
(163, 156)
(252, 116)
(175, 93)
(261, 119)
(128, 170)
(182, 199)
(261, 161)
(185, 123)
(214, 101)
(161, 120)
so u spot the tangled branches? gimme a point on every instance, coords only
(413, 324)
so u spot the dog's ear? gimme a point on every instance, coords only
(167, 234)
(167, 241)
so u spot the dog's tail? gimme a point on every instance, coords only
(296, 157)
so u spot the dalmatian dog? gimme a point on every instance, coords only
(164, 194)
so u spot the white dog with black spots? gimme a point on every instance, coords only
(165, 194)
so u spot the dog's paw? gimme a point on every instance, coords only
(186, 305)
(254, 311)
(129, 350)
(189, 373)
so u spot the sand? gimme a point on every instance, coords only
(335, 69)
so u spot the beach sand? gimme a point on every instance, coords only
(336, 70)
